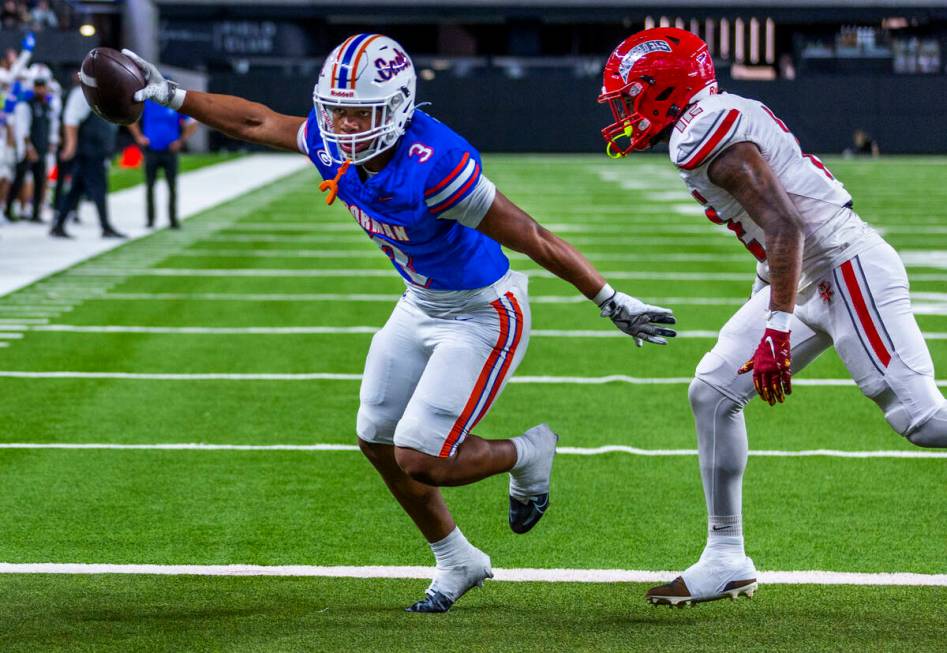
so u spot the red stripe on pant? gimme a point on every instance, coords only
(517, 334)
(481, 383)
(858, 302)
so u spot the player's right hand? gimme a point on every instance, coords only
(157, 88)
(639, 320)
(771, 366)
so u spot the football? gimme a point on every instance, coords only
(109, 80)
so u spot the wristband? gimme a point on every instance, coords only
(779, 321)
(606, 293)
(177, 97)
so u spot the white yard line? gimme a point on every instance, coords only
(333, 330)
(563, 451)
(27, 253)
(509, 575)
(333, 376)
(740, 277)
(389, 298)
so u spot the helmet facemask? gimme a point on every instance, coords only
(629, 132)
(361, 146)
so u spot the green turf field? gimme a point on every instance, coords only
(307, 278)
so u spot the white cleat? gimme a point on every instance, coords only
(451, 583)
(529, 486)
(710, 579)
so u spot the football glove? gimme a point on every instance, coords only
(157, 88)
(637, 319)
(771, 366)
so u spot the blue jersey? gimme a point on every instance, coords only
(161, 125)
(423, 207)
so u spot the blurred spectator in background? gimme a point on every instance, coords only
(38, 128)
(63, 167)
(161, 135)
(862, 145)
(43, 16)
(90, 140)
(14, 14)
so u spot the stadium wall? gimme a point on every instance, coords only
(558, 112)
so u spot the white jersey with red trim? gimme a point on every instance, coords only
(833, 232)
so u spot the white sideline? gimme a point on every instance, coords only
(509, 575)
(333, 376)
(563, 451)
(27, 253)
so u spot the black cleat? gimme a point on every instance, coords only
(523, 516)
(433, 602)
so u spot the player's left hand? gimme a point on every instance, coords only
(157, 88)
(771, 366)
(639, 320)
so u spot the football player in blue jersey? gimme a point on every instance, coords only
(418, 191)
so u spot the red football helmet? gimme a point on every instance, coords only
(648, 81)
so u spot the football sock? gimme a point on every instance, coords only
(525, 452)
(722, 449)
(724, 526)
(454, 550)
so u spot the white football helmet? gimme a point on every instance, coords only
(369, 71)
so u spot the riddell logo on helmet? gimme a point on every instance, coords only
(337, 93)
(632, 56)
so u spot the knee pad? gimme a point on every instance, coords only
(703, 394)
(896, 413)
(909, 399)
(933, 432)
(370, 426)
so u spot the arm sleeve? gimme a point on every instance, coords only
(457, 189)
(301, 144)
(706, 137)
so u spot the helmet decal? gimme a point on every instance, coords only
(387, 69)
(640, 50)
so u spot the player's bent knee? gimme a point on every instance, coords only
(702, 394)
(933, 432)
(372, 427)
(417, 465)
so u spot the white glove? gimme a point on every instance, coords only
(157, 88)
(639, 320)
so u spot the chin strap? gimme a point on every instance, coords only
(332, 185)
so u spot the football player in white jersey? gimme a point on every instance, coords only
(824, 279)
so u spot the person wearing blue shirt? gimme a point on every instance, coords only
(161, 135)
(418, 191)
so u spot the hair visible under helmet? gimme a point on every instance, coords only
(648, 81)
(367, 71)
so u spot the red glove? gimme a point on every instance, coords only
(771, 366)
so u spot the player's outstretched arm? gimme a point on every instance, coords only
(742, 172)
(512, 227)
(238, 118)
